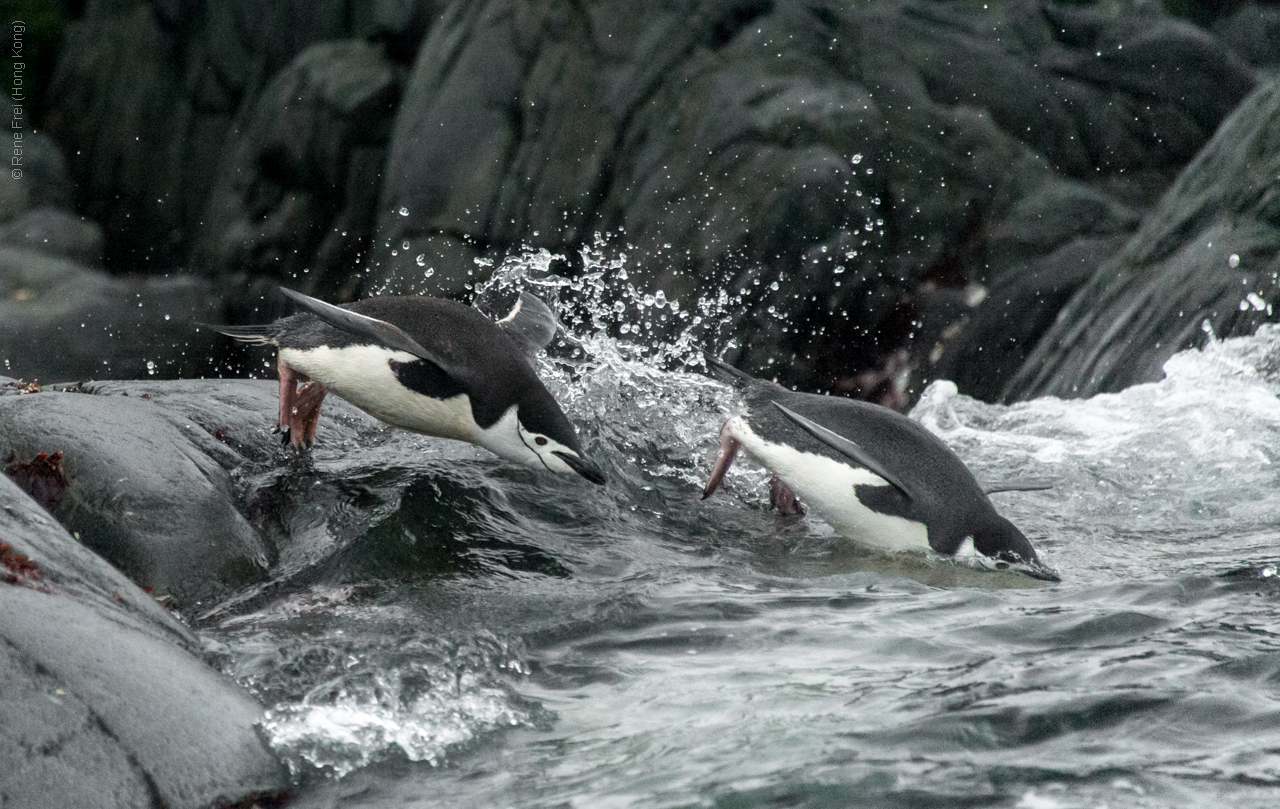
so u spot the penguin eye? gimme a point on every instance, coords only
(540, 441)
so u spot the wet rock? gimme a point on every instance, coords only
(1046, 248)
(68, 567)
(105, 704)
(42, 477)
(1203, 262)
(56, 232)
(235, 417)
(1050, 217)
(62, 320)
(143, 489)
(303, 172)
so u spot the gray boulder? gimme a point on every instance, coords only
(1203, 262)
(56, 232)
(43, 182)
(155, 475)
(143, 488)
(105, 702)
(146, 93)
(62, 320)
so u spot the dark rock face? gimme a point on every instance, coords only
(849, 173)
(730, 132)
(1253, 32)
(302, 172)
(1205, 261)
(143, 488)
(56, 232)
(104, 705)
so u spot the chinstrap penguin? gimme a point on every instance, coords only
(428, 365)
(875, 475)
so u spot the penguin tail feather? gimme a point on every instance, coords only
(254, 335)
(726, 373)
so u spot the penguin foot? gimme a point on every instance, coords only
(729, 447)
(783, 499)
(306, 413)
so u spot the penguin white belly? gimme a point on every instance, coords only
(828, 486)
(362, 375)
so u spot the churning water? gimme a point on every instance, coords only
(450, 631)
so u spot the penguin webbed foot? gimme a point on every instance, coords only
(783, 499)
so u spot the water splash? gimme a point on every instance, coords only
(345, 699)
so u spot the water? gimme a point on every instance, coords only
(449, 631)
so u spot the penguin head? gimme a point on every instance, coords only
(547, 439)
(999, 545)
(559, 455)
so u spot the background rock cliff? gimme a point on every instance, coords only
(890, 191)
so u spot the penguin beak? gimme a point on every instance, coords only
(1039, 571)
(582, 466)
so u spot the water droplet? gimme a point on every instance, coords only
(1233, 261)
(166, 317)
(404, 211)
(857, 159)
(404, 245)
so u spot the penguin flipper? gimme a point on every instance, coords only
(531, 323)
(845, 447)
(1017, 486)
(254, 335)
(379, 331)
(726, 373)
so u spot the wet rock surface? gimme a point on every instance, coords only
(151, 473)
(144, 487)
(106, 702)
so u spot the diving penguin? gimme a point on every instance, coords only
(875, 475)
(428, 365)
